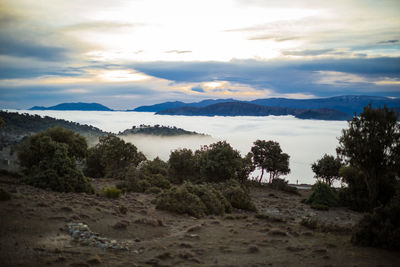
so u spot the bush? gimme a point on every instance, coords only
(381, 228)
(111, 192)
(52, 168)
(153, 190)
(213, 199)
(147, 175)
(180, 200)
(237, 195)
(282, 185)
(4, 195)
(322, 195)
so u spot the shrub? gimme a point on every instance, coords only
(111, 192)
(282, 185)
(180, 200)
(213, 199)
(4, 195)
(322, 195)
(381, 228)
(123, 209)
(49, 161)
(239, 198)
(237, 195)
(145, 176)
(153, 190)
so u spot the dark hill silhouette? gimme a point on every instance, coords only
(75, 106)
(248, 109)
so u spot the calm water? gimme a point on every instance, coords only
(304, 140)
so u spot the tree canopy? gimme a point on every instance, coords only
(327, 168)
(372, 145)
(268, 156)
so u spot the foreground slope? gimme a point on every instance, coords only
(40, 228)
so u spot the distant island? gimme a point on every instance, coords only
(157, 130)
(75, 106)
(247, 109)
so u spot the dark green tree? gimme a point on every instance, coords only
(182, 165)
(327, 168)
(268, 156)
(219, 162)
(48, 163)
(111, 157)
(372, 145)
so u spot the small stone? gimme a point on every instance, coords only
(253, 249)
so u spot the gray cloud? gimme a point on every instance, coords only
(178, 51)
(102, 25)
(315, 52)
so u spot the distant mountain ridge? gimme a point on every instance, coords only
(249, 109)
(75, 106)
(346, 104)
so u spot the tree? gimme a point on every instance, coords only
(372, 145)
(37, 147)
(51, 164)
(268, 156)
(182, 165)
(218, 162)
(111, 157)
(327, 168)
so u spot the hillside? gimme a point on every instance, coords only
(248, 109)
(46, 228)
(157, 130)
(75, 106)
(18, 126)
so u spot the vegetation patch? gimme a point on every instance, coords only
(322, 195)
(316, 225)
(4, 195)
(270, 218)
(111, 192)
(381, 228)
(282, 185)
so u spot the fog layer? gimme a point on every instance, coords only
(304, 140)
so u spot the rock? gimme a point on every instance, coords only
(277, 232)
(185, 245)
(152, 222)
(96, 259)
(294, 249)
(164, 256)
(121, 224)
(253, 249)
(66, 209)
(194, 228)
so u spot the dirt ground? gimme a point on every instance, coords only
(39, 228)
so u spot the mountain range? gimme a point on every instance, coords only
(331, 108)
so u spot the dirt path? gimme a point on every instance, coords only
(40, 228)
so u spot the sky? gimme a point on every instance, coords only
(125, 54)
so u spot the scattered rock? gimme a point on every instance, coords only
(277, 232)
(185, 245)
(294, 249)
(95, 260)
(121, 224)
(164, 256)
(194, 228)
(66, 209)
(253, 249)
(149, 221)
(320, 251)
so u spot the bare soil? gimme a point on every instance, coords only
(34, 232)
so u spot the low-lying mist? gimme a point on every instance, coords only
(304, 140)
(161, 146)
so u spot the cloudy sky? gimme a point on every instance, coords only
(124, 54)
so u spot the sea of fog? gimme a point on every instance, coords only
(304, 140)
